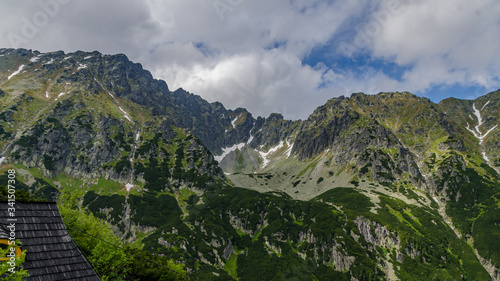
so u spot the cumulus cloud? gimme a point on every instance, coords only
(444, 42)
(263, 82)
(249, 54)
(252, 53)
(242, 53)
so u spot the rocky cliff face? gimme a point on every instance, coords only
(94, 73)
(405, 143)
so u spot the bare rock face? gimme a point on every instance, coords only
(228, 251)
(376, 234)
(307, 236)
(323, 128)
(341, 261)
(489, 266)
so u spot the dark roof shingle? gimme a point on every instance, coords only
(50, 252)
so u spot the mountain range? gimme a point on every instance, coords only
(370, 187)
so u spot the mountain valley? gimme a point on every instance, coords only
(369, 187)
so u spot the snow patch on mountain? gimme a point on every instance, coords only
(485, 105)
(1, 160)
(477, 132)
(125, 114)
(227, 150)
(239, 146)
(472, 131)
(489, 131)
(109, 93)
(272, 150)
(289, 149)
(420, 168)
(16, 72)
(60, 95)
(233, 122)
(478, 115)
(485, 156)
(250, 139)
(122, 110)
(263, 155)
(81, 66)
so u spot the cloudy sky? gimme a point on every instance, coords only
(286, 56)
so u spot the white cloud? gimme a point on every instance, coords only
(263, 82)
(446, 42)
(250, 53)
(237, 62)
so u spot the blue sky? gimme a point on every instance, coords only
(357, 66)
(286, 56)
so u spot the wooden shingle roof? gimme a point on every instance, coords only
(50, 252)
